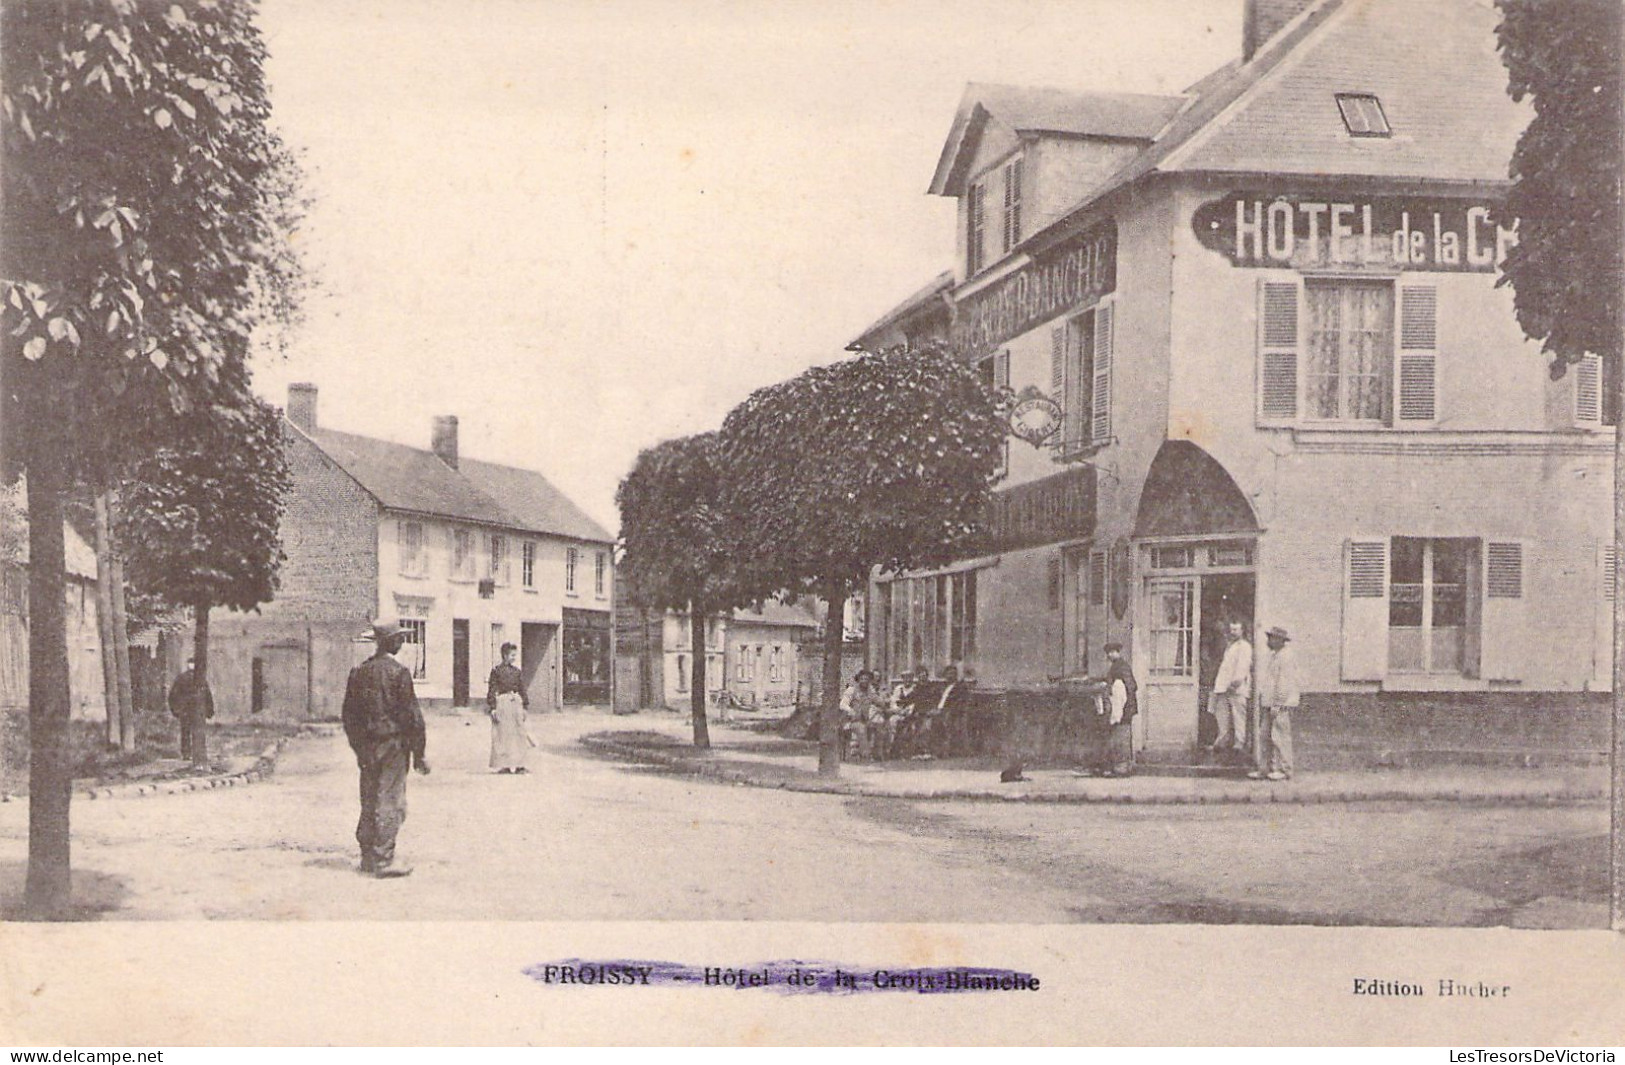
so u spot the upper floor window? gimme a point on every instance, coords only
(1081, 357)
(462, 554)
(527, 564)
(499, 559)
(1012, 204)
(600, 569)
(976, 229)
(413, 561)
(1362, 114)
(571, 557)
(1352, 351)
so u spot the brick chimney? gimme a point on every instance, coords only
(444, 440)
(1263, 19)
(302, 405)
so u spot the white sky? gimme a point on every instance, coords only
(585, 227)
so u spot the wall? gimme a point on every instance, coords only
(1502, 461)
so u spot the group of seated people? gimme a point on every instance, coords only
(917, 718)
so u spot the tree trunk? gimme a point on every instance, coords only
(200, 652)
(121, 636)
(50, 774)
(1617, 886)
(104, 618)
(829, 723)
(696, 685)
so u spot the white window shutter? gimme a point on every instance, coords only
(1416, 399)
(1279, 379)
(1365, 609)
(1588, 392)
(1506, 596)
(1101, 406)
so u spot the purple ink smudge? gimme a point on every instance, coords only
(789, 976)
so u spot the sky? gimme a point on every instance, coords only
(586, 227)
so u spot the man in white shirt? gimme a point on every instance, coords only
(1232, 688)
(1277, 695)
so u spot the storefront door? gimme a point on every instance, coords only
(1173, 617)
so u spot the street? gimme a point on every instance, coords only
(581, 838)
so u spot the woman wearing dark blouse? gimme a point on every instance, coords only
(505, 696)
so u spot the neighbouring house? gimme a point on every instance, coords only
(466, 555)
(754, 654)
(85, 688)
(1289, 390)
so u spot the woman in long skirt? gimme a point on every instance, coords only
(509, 706)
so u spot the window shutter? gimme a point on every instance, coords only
(1588, 392)
(1057, 363)
(1101, 405)
(1416, 402)
(1278, 344)
(1001, 369)
(1365, 609)
(1053, 576)
(1097, 578)
(1602, 655)
(1505, 645)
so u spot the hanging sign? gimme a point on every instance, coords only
(1035, 417)
(1301, 231)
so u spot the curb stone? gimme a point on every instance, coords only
(696, 766)
(263, 767)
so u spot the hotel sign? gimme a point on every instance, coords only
(1077, 273)
(1058, 507)
(1297, 232)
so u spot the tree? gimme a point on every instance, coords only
(143, 242)
(674, 533)
(200, 520)
(880, 460)
(1565, 270)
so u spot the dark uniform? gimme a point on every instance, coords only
(187, 696)
(1117, 757)
(385, 729)
(506, 680)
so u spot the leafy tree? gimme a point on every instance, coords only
(674, 533)
(143, 242)
(881, 460)
(1565, 271)
(200, 519)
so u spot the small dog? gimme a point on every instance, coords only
(1012, 773)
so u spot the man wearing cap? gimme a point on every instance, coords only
(1277, 695)
(385, 729)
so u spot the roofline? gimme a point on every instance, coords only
(934, 291)
(336, 463)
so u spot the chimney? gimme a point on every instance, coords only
(445, 439)
(302, 406)
(1263, 19)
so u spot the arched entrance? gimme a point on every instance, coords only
(1196, 541)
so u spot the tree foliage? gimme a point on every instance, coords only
(672, 526)
(879, 460)
(674, 534)
(148, 211)
(1565, 269)
(200, 517)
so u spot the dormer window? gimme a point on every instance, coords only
(1363, 115)
(1012, 205)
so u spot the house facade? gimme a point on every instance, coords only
(752, 654)
(465, 555)
(1291, 391)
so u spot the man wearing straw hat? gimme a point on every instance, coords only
(1277, 695)
(385, 729)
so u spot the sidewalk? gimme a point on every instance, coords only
(764, 759)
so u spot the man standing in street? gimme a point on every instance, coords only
(385, 729)
(1232, 688)
(1277, 695)
(191, 701)
(1122, 703)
